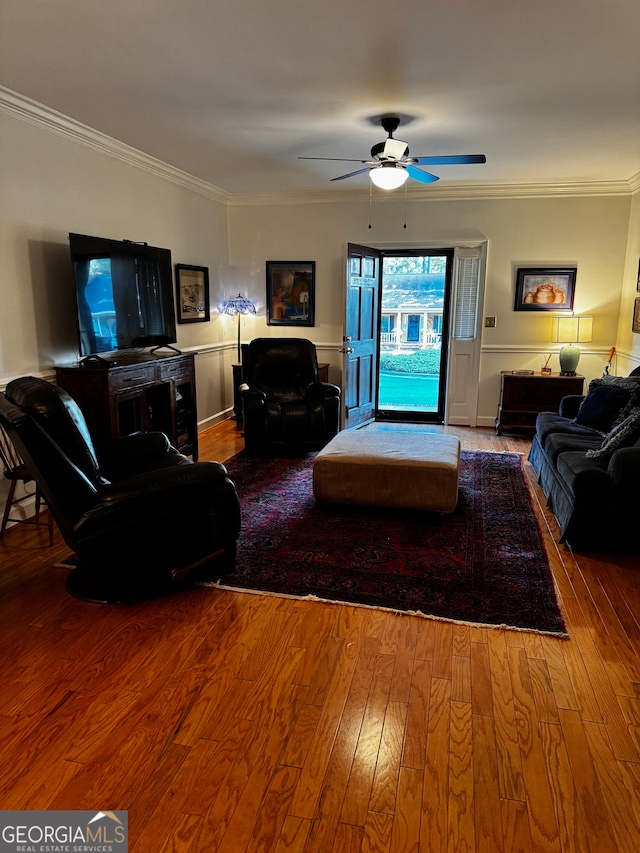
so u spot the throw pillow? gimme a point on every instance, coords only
(608, 402)
(625, 434)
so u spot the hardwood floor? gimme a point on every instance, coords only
(235, 722)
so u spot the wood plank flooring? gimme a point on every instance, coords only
(233, 722)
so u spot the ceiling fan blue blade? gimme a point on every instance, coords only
(450, 160)
(419, 175)
(350, 175)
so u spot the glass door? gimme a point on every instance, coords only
(414, 320)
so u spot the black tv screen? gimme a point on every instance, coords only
(124, 294)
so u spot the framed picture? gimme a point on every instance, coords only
(291, 292)
(548, 289)
(635, 327)
(192, 294)
(638, 279)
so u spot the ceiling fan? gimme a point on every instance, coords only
(390, 164)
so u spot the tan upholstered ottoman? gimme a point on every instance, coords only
(396, 469)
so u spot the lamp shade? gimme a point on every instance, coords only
(237, 306)
(571, 331)
(388, 176)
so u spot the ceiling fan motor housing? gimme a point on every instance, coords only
(390, 149)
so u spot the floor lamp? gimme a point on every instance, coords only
(239, 306)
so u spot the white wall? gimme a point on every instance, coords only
(590, 233)
(628, 342)
(51, 185)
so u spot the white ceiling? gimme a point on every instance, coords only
(234, 91)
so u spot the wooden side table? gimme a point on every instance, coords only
(523, 396)
(323, 376)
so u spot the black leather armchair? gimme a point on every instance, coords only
(285, 406)
(142, 518)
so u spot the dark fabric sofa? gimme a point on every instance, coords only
(587, 458)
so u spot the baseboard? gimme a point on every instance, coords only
(486, 421)
(214, 420)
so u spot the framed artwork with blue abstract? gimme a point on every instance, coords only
(291, 291)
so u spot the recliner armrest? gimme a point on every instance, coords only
(134, 448)
(168, 489)
(252, 394)
(133, 455)
(323, 390)
(155, 485)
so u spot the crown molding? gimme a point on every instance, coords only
(30, 111)
(451, 191)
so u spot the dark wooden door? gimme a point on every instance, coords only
(360, 363)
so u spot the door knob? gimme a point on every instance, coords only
(347, 350)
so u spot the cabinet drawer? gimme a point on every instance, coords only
(182, 369)
(133, 378)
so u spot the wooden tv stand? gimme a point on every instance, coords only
(141, 392)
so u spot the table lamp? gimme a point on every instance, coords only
(571, 331)
(239, 305)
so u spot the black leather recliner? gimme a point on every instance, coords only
(142, 518)
(285, 406)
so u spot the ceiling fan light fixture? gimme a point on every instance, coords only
(388, 176)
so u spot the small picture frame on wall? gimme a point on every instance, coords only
(545, 289)
(291, 291)
(638, 278)
(635, 326)
(192, 294)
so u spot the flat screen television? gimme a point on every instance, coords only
(124, 294)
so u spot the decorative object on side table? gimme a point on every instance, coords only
(571, 331)
(607, 367)
(540, 289)
(192, 294)
(291, 293)
(237, 307)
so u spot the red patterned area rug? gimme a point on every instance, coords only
(484, 564)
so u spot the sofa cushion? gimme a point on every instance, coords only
(608, 402)
(624, 434)
(548, 423)
(587, 479)
(559, 442)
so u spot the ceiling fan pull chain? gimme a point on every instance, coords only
(405, 205)
(370, 200)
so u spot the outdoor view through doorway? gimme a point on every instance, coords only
(413, 336)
